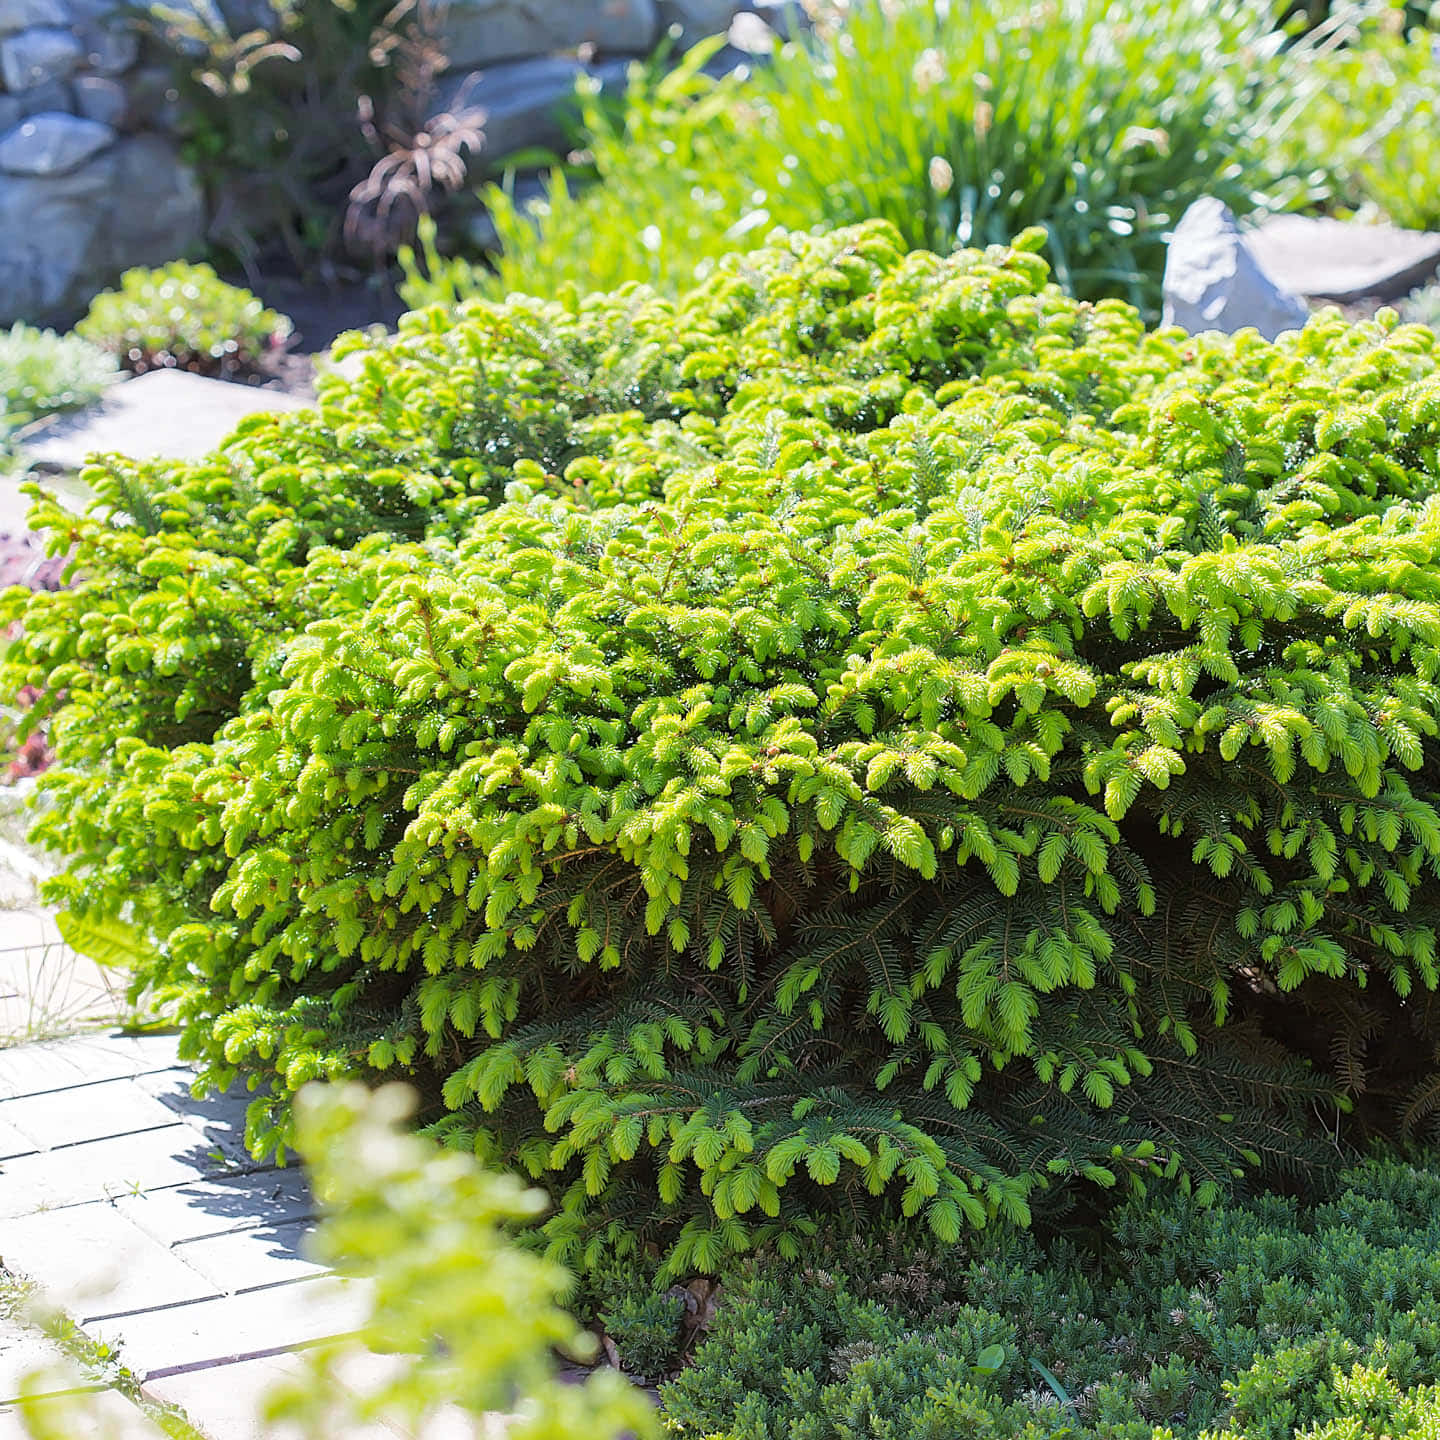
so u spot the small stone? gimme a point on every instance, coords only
(1344, 260)
(101, 99)
(110, 50)
(32, 57)
(1214, 282)
(752, 35)
(23, 14)
(52, 144)
(11, 113)
(477, 33)
(55, 96)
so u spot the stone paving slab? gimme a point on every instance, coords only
(13, 1143)
(149, 1189)
(23, 1350)
(96, 1263)
(124, 1420)
(59, 1118)
(83, 1060)
(251, 1259)
(229, 1397)
(1344, 260)
(165, 414)
(102, 1170)
(239, 1327)
(219, 1206)
(220, 1118)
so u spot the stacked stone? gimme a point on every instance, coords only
(517, 61)
(89, 183)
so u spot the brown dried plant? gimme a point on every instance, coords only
(421, 158)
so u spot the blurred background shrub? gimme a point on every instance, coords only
(182, 316)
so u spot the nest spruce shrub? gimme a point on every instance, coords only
(183, 316)
(875, 734)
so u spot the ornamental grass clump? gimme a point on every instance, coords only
(874, 735)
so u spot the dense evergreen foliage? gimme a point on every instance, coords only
(1260, 1321)
(875, 731)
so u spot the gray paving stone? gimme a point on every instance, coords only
(22, 1351)
(83, 1060)
(86, 1112)
(224, 1115)
(13, 1143)
(220, 1206)
(82, 1413)
(362, 1372)
(161, 1343)
(102, 1170)
(95, 1263)
(252, 1259)
(225, 1400)
(167, 414)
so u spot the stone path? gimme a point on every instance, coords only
(137, 1209)
(165, 414)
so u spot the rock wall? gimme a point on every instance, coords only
(89, 184)
(518, 60)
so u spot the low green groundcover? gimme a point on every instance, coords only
(1251, 1322)
(875, 735)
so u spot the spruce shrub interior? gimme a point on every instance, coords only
(875, 734)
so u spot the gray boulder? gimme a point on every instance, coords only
(56, 96)
(22, 14)
(1213, 281)
(525, 102)
(31, 57)
(48, 230)
(153, 100)
(65, 236)
(691, 20)
(485, 32)
(159, 207)
(1344, 260)
(52, 144)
